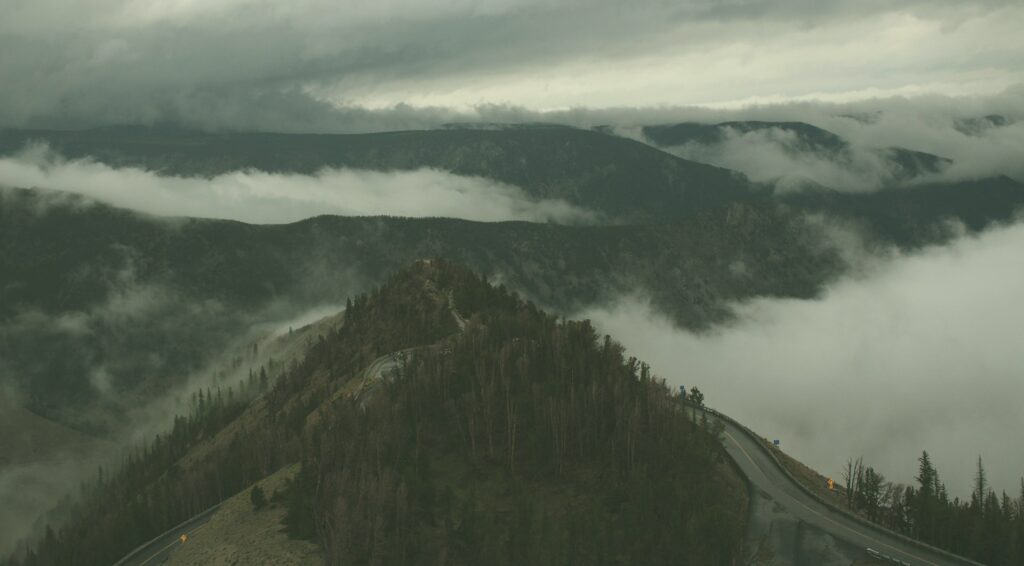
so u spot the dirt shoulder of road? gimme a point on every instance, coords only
(810, 478)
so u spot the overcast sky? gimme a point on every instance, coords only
(357, 65)
(922, 351)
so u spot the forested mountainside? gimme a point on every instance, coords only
(86, 288)
(805, 136)
(919, 215)
(988, 526)
(102, 308)
(506, 436)
(621, 179)
(797, 138)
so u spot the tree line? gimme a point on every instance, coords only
(988, 527)
(523, 439)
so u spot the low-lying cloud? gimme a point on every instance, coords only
(917, 353)
(32, 491)
(269, 198)
(132, 331)
(981, 136)
(767, 156)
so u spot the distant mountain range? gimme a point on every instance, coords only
(798, 138)
(499, 435)
(623, 180)
(101, 308)
(92, 295)
(807, 137)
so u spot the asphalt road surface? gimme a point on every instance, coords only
(765, 474)
(751, 456)
(159, 549)
(378, 371)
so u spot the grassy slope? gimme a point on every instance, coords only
(239, 534)
(810, 478)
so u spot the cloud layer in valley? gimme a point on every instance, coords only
(917, 353)
(768, 156)
(132, 331)
(265, 198)
(981, 136)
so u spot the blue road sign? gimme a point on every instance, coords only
(775, 442)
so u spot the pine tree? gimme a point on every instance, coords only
(980, 488)
(925, 500)
(696, 397)
(926, 475)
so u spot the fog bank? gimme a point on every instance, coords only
(265, 198)
(915, 353)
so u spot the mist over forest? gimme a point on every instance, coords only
(811, 212)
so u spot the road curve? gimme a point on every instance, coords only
(766, 474)
(752, 457)
(379, 370)
(157, 550)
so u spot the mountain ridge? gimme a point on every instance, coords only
(156, 276)
(799, 140)
(625, 180)
(612, 466)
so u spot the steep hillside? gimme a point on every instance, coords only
(626, 181)
(240, 534)
(97, 302)
(919, 215)
(102, 309)
(513, 436)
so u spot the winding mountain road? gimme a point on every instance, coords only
(753, 458)
(766, 474)
(749, 453)
(160, 548)
(379, 370)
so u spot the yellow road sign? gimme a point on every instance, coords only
(831, 483)
(183, 538)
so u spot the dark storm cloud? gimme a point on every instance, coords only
(317, 65)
